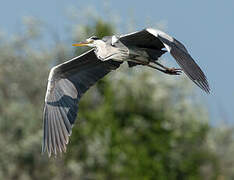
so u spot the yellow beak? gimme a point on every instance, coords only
(81, 44)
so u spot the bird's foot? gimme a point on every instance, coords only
(173, 71)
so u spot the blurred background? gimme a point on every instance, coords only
(135, 123)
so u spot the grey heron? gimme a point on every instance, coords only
(68, 81)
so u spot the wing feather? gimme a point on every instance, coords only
(191, 69)
(156, 39)
(58, 133)
(66, 85)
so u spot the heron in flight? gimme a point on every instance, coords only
(68, 81)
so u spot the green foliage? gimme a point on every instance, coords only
(134, 124)
(130, 134)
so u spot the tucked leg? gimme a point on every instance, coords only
(166, 68)
(171, 71)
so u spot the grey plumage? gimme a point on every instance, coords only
(70, 80)
(183, 58)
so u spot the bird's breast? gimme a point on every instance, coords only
(105, 53)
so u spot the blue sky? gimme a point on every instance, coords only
(205, 27)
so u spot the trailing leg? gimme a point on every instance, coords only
(171, 71)
(166, 70)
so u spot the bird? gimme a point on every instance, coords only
(68, 81)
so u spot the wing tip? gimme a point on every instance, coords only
(208, 91)
(54, 151)
(203, 84)
(55, 135)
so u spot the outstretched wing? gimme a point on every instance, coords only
(66, 84)
(156, 39)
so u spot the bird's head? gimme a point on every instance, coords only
(91, 42)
